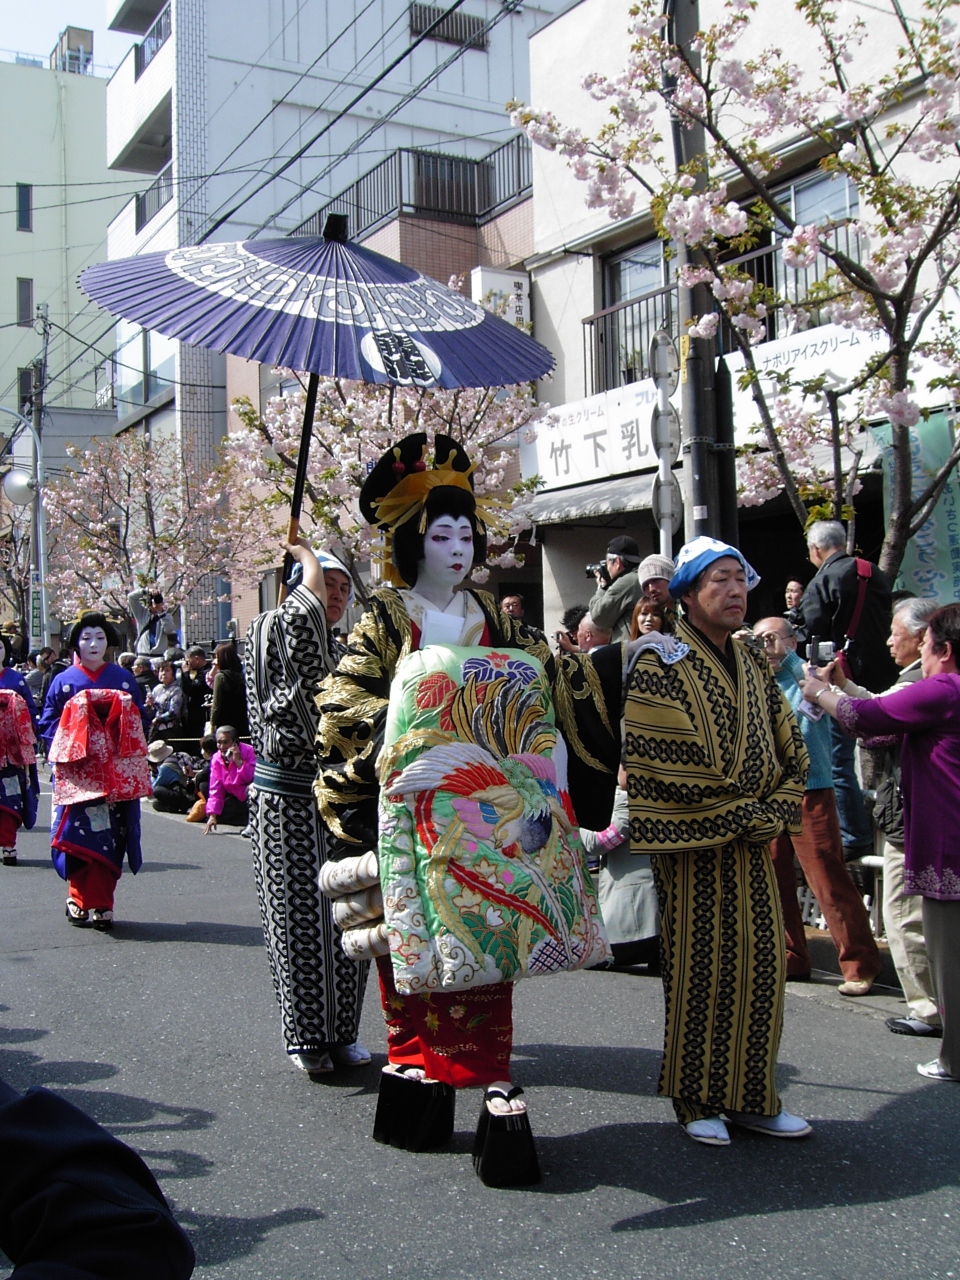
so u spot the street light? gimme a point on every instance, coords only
(22, 490)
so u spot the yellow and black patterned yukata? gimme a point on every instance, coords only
(715, 769)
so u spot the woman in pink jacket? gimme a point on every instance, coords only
(231, 772)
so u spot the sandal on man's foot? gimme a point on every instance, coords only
(504, 1154)
(101, 919)
(76, 915)
(413, 1113)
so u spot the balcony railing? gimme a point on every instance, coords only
(427, 184)
(617, 339)
(154, 198)
(152, 43)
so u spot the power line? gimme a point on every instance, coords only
(507, 8)
(344, 78)
(425, 35)
(300, 78)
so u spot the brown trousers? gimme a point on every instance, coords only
(819, 849)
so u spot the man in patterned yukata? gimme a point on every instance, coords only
(288, 653)
(715, 769)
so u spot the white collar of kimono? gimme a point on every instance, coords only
(463, 605)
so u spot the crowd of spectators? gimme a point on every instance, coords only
(870, 644)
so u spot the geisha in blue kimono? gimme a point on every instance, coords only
(456, 744)
(19, 784)
(94, 723)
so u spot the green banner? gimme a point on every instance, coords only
(931, 563)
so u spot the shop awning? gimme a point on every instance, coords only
(598, 498)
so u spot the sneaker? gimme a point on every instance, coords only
(350, 1055)
(913, 1027)
(711, 1132)
(782, 1126)
(9, 857)
(102, 920)
(246, 833)
(934, 1071)
(312, 1063)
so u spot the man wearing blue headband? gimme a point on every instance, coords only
(289, 652)
(716, 769)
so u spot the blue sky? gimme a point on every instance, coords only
(32, 26)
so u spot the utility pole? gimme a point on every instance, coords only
(697, 355)
(39, 621)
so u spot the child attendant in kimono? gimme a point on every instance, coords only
(94, 724)
(19, 784)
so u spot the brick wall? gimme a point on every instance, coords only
(505, 241)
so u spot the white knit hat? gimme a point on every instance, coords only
(655, 567)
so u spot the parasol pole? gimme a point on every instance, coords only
(300, 481)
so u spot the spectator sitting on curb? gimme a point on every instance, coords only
(173, 790)
(231, 772)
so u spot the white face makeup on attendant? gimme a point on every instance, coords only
(447, 552)
(92, 647)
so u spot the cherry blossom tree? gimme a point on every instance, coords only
(15, 545)
(890, 269)
(355, 423)
(131, 512)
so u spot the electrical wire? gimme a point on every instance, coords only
(287, 164)
(344, 78)
(279, 103)
(507, 8)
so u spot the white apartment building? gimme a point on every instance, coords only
(601, 288)
(215, 95)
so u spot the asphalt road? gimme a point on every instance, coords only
(167, 1032)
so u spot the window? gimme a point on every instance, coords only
(24, 206)
(24, 302)
(639, 271)
(24, 388)
(459, 28)
(820, 198)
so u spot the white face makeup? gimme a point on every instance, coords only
(92, 647)
(447, 554)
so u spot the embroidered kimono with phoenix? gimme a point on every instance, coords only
(716, 769)
(483, 874)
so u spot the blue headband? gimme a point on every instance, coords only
(698, 555)
(327, 561)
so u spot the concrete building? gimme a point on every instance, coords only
(215, 96)
(59, 196)
(601, 288)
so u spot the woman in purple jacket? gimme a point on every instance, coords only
(924, 718)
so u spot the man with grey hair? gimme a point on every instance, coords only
(902, 916)
(818, 846)
(848, 601)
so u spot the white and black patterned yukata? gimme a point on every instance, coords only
(286, 656)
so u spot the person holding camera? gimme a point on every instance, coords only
(618, 588)
(818, 847)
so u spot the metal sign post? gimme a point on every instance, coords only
(665, 432)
